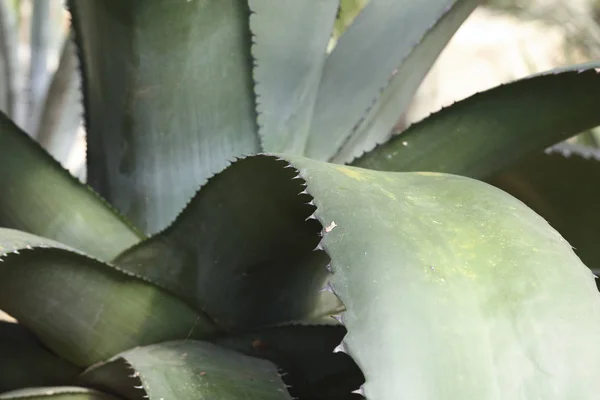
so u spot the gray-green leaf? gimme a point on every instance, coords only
(188, 370)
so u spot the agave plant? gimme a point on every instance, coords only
(274, 237)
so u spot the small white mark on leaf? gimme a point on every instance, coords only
(404, 143)
(331, 227)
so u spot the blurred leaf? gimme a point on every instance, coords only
(178, 72)
(191, 370)
(40, 197)
(347, 13)
(241, 250)
(382, 36)
(289, 49)
(472, 294)
(82, 309)
(397, 96)
(56, 393)
(39, 75)
(563, 186)
(62, 112)
(8, 57)
(489, 131)
(305, 353)
(26, 363)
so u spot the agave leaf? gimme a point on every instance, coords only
(188, 370)
(382, 36)
(178, 73)
(241, 250)
(24, 362)
(473, 295)
(305, 353)
(62, 112)
(397, 96)
(56, 393)
(489, 131)
(8, 57)
(42, 198)
(347, 13)
(82, 309)
(562, 186)
(39, 74)
(290, 46)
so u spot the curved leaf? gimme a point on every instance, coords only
(305, 353)
(562, 185)
(453, 288)
(381, 37)
(241, 251)
(397, 96)
(473, 295)
(189, 370)
(290, 45)
(178, 73)
(24, 362)
(489, 131)
(56, 393)
(42, 198)
(83, 310)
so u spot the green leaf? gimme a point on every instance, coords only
(178, 73)
(382, 36)
(397, 96)
(61, 114)
(347, 13)
(453, 289)
(24, 362)
(305, 353)
(39, 73)
(82, 309)
(56, 393)
(241, 250)
(489, 131)
(473, 295)
(562, 186)
(290, 46)
(189, 370)
(8, 57)
(42, 198)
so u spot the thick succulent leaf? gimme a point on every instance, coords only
(382, 36)
(489, 131)
(56, 393)
(24, 362)
(42, 198)
(397, 96)
(62, 113)
(562, 185)
(8, 57)
(305, 354)
(178, 79)
(82, 309)
(241, 251)
(468, 293)
(188, 370)
(39, 73)
(290, 45)
(453, 288)
(347, 13)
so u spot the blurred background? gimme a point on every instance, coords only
(501, 41)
